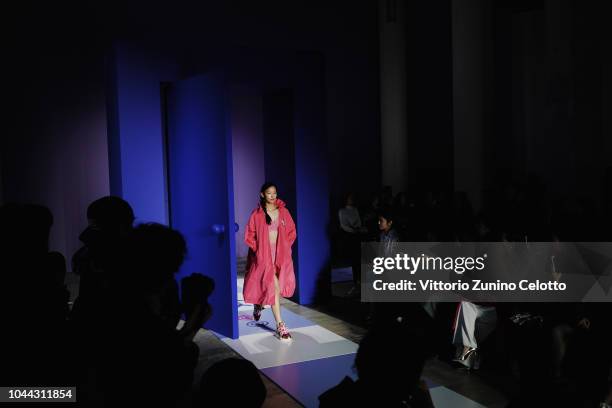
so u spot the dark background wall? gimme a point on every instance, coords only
(53, 142)
(57, 154)
(537, 109)
(546, 95)
(531, 85)
(247, 155)
(430, 109)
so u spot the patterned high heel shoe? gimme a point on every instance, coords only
(282, 332)
(257, 312)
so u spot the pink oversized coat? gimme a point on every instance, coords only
(259, 279)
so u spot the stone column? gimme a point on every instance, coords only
(393, 98)
(468, 49)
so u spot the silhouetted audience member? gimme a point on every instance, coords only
(389, 364)
(138, 357)
(57, 276)
(388, 239)
(33, 299)
(351, 230)
(589, 356)
(370, 216)
(388, 236)
(109, 221)
(214, 385)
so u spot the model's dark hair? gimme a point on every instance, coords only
(262, 200)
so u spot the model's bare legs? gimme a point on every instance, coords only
(281, 328)
(276, 306)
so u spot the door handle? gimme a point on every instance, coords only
(236, 227)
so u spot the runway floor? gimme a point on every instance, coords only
(321, 354)
(314, 361)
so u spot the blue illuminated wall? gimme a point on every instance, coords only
(297, 161)
(311, 178)
(136, 148)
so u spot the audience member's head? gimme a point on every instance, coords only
(109, 221)
(390, 361)
(349, 199)
(213, 385)
(385, 219)
(110, 212)
(154, 254)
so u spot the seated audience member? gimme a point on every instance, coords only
(389, 363)
(33, 299)
(387, 240)
(141, 358)
(370, 217)
(109, 221)
(388, 235)
(351, 229)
